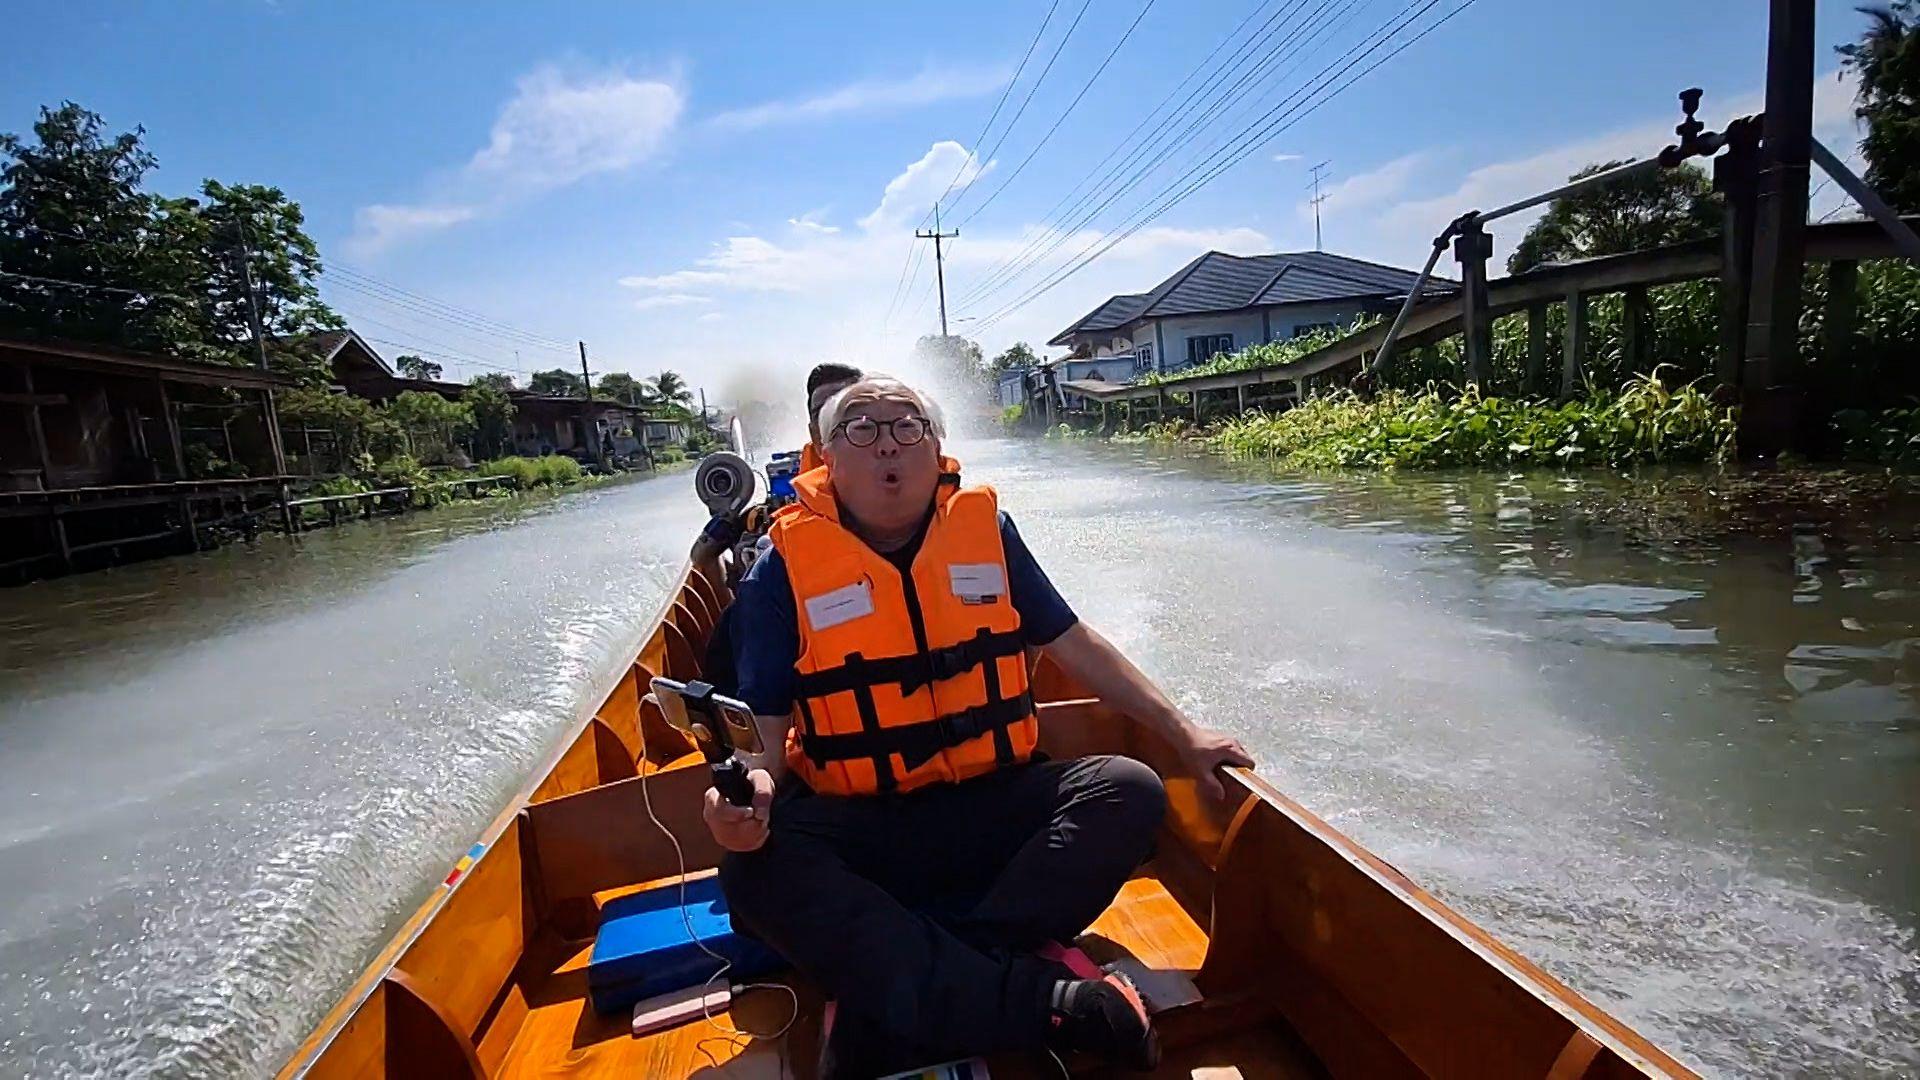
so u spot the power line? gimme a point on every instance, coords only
(1095, 77)
(38, 280)
(461, 326)
(1099, 171)
(1250, 141)
(1174, 136)
(452, 309)
(1028, 100)
(997, 106)
(1158, 150)
(417, 336)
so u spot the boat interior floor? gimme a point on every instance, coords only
(561, 1035)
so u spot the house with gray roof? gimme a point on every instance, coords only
(1221, 303)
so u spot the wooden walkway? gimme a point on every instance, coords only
(1573, 283)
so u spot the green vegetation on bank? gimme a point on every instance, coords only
(1646, 422)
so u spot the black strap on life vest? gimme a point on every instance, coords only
(918, 743)
(914, 670)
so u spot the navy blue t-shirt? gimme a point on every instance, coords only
(764, 623)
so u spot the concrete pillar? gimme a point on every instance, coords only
(1576, 345)
(1536, 348)
(1242, 392)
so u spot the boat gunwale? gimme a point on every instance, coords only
(1596, 1022)
(310, 1050)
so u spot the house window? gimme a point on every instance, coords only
(1143, 359)
(1207, 346)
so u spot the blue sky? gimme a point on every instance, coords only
(729, 189)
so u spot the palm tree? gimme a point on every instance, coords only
(669, 389)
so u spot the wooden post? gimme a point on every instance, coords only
(1636, 329)
(37, 431)
(1242, 392)
(60, 535)
(1733, 178)
(1576, 345)
(1843, 310)
(1536, 348)
(1196, 405)
(1160, 404)
(1472, 248)
(1769, 381)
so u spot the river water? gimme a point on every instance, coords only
(1684, 778)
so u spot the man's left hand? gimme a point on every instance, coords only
(1207, 751)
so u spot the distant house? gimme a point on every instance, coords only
(1010, 387)
(1221, 303)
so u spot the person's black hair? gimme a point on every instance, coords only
(830, 374)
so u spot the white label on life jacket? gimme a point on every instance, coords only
(842, 605)
(978, 583)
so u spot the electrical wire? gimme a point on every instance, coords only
(997, 106)
(1248, 141)
(1028, 100)
(1062, 118)
(1099, 171)
(369, 281)
(726, 965)
(473, 331)
(37, 279)
(1174, 137)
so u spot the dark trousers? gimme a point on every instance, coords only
(919, 913)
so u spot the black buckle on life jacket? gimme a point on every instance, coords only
(917, 744)
(913, 671)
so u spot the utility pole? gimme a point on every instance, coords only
(939, 262)
(588, 429)
(1317, 200)
(269, 409)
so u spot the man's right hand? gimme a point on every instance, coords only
(741, 828)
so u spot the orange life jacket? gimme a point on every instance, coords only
(906, 680)
(810, 459)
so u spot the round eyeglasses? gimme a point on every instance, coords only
(864, 430)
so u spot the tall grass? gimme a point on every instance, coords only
(525, 473)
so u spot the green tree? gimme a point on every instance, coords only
(256, 239)
(623, 387)
(1887, 56)
(1663, 207)
(558, 382)
(670, 390)
(417, 367)
(72, 210)
(492, 412)
(430, 423)
(1018, 357)
(499, 380)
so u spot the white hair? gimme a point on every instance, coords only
(831, 412)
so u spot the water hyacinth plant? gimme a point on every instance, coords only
(1647, 421)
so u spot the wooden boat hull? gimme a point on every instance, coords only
(1315, 957)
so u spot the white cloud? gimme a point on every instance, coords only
(380, 226)
(662, 300)
(929, 86)
(560, 126)
(911, 194)
(1370, 188)
(1401, 205)
(1286, 157)
(810, 222)
(816, 294)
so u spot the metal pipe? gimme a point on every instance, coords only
(1904, 237)
(1621, 172)
(1385, 355)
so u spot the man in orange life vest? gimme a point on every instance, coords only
(916, 861)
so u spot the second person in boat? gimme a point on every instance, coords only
(918, 861)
